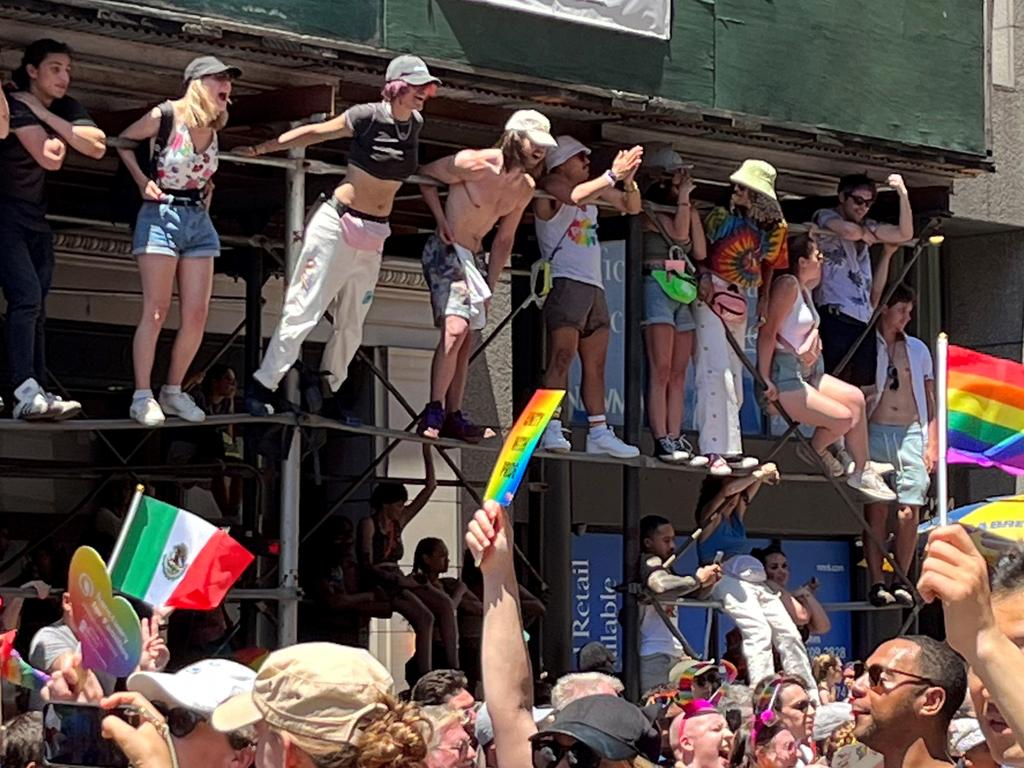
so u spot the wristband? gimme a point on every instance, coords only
(633, 187)
(610, 175)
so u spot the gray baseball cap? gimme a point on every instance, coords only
(202, 66)
(410, 69)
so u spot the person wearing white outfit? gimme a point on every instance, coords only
(575, 311)
(757, 609)
(746, 243)
(341, 253)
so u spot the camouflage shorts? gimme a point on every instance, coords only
(449, 293)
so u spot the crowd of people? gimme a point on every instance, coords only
(914, 701)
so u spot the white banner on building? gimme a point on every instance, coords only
(651, 18)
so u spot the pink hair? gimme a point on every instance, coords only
(394, 89)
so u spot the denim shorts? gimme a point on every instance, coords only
(903, 447)
(790, 375)
(659, 309)
(183, 231)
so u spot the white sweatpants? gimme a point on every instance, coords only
(329, 274)
(764, 622)
(719, 378)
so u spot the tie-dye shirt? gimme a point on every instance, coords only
(737, 247)
(569, 240)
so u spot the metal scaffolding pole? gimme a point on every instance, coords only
(288, 609)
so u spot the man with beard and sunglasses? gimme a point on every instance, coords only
(985, 624)
(904, 702)
(902, 431)
(599, 731)
(849, 289)
(187, 699)
(485, 187)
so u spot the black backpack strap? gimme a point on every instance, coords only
(163, 135)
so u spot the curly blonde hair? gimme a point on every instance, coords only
(197, 109)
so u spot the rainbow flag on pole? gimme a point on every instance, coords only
(986, 410)
(16, 670)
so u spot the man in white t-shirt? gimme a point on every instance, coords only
(660, 650)
(902, 431)
(575, 311)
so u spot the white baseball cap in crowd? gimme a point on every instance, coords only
(567, 147)
(664, 159)
(199, 687)
(534, 124)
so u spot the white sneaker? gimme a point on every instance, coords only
(871, 485)
(835, 467)
(31, 402)
(742, 462)
(553, 439)
(718, 466)
(147, 412)
(604, 441)
(181, 404)
(59, 408)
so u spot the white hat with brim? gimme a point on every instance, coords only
(663, 159)
(566, 148)
(199, 687)
(536, 127)
(758, 176)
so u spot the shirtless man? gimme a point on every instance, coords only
(902, 432)
(485, 186)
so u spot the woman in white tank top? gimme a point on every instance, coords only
(789, 360)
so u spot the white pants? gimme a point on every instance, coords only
(764, 622)
(719, 378)
(330, 274)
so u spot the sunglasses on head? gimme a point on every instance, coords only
(547, 754)
(877, 672)
(862, 201)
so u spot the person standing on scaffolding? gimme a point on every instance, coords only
(746, 244)
(576, 311)
(660, 649)
(342, 247)
(484, 186)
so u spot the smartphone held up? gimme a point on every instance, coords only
(73, 735)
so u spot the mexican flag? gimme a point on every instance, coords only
(166, 556)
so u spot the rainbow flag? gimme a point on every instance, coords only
(985, 397)
(16, 670)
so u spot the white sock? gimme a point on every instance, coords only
(142, 394)
(597, 423)
(171, 389)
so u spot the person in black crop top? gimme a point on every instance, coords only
(343, 243)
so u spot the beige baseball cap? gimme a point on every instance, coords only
(320, 691)
(536, 126)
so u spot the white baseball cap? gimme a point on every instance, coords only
(199, 687)
(534, 124)
(567, 147)
(663, 158)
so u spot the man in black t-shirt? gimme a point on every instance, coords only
(44, 122)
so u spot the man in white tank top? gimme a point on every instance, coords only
(575, 311)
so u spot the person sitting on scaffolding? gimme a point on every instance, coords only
(576, 311)
(668, 314)
(757, 609)
(342, 247)
(790, 362)
(485, 186)
(660, 649)
(746, 244)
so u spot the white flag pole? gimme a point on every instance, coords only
(132, 509)
(941, 385)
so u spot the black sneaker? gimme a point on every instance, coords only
(432, 421)
(259, 401)
(665, 449)
(902, 596)
(880, 597)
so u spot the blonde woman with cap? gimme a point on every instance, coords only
(746, 244)
(174, 238)
(669, 290)
(344, 241)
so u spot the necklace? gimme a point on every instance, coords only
(398, 125)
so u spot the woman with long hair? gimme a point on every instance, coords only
(174, 237)
(801, 604)
(668, 320)
(789, 359)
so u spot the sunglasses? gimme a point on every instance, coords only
(181, 722)
(865, 202)
(547, 754)
(876, 673)
(894, 377)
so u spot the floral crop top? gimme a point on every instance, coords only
(179, 166)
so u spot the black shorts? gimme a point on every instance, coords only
(839, 332)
